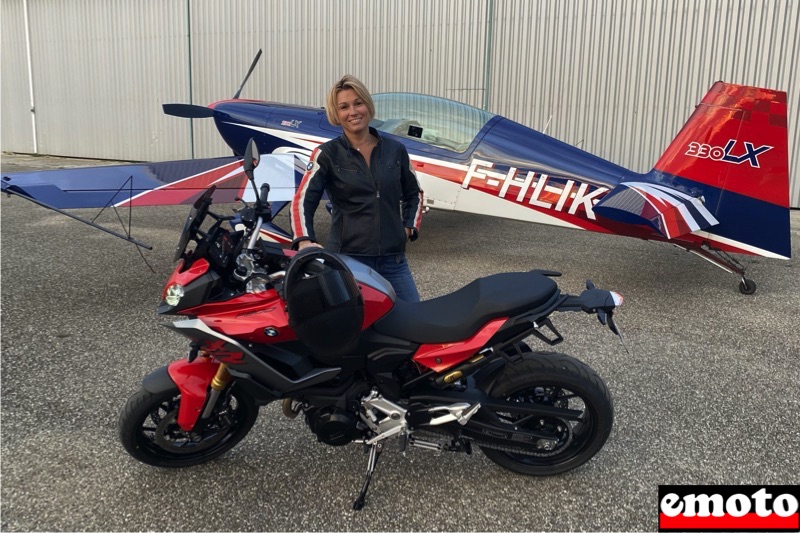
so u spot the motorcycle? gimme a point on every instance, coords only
(326, 336)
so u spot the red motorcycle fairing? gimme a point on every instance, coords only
(439, 357)
(255, 317)
(193, 380)
(184, 277)
(251, 316)
(376, 304)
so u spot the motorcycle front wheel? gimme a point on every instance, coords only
(561, 381)
(149, 431)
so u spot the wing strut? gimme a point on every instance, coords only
(11, 191)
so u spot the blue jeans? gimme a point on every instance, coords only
(395, 269)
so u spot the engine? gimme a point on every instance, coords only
(333, 426)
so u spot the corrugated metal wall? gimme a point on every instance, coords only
(399, 45)
(620, 78)
(100, 73)
(16, 132)
(616, 77)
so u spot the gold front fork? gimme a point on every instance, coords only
(218, 384)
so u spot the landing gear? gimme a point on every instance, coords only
(747, 286)
(726, 263)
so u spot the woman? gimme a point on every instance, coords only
(377, 202)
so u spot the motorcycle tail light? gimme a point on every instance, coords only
(617, 298)
(174, 294)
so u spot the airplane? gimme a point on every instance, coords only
(721, 186)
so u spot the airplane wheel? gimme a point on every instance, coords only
(747, 286)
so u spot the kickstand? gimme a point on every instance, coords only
(374, 454)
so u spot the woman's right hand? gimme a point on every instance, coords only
(307, 244)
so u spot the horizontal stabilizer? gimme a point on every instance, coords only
(670, 212)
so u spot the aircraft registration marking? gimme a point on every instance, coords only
(546, 192)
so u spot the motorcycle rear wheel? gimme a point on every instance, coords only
(560, 380)
(149, 431)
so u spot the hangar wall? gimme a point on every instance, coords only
(615, 77)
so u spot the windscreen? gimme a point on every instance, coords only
(429, 119)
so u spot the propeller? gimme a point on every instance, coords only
(247, 76)
(199, 111)
(187, 110)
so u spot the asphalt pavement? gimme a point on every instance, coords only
(707, 392)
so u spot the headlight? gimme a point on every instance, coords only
(174, 294)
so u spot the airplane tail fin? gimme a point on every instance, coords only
(726, 173)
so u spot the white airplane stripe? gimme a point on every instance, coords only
(483, 203)
(237, 170)
(742, 246)
(672, 192)
(688, 218)
(681, 206)
(228, 176)
(645, 195)
(704, 212)
(716, 238)
(669, 195)
(306, 141)
(658, 193)
(439, 162)
(273, 236)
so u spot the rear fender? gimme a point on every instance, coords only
(192, 379)
(487, 375)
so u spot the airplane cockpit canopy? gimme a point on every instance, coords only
(429, 119)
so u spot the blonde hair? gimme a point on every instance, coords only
(347, 82)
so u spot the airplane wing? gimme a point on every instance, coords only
(155, 184)
(166, 183)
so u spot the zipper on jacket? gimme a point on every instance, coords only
(341, 234)
(373, 157)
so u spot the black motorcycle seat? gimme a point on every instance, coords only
(459, 315)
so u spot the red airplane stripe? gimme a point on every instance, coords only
(675, 222)
(440, 171)
(184, 189)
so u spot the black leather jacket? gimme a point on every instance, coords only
(372, 205)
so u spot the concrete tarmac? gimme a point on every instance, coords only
(707, 394)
